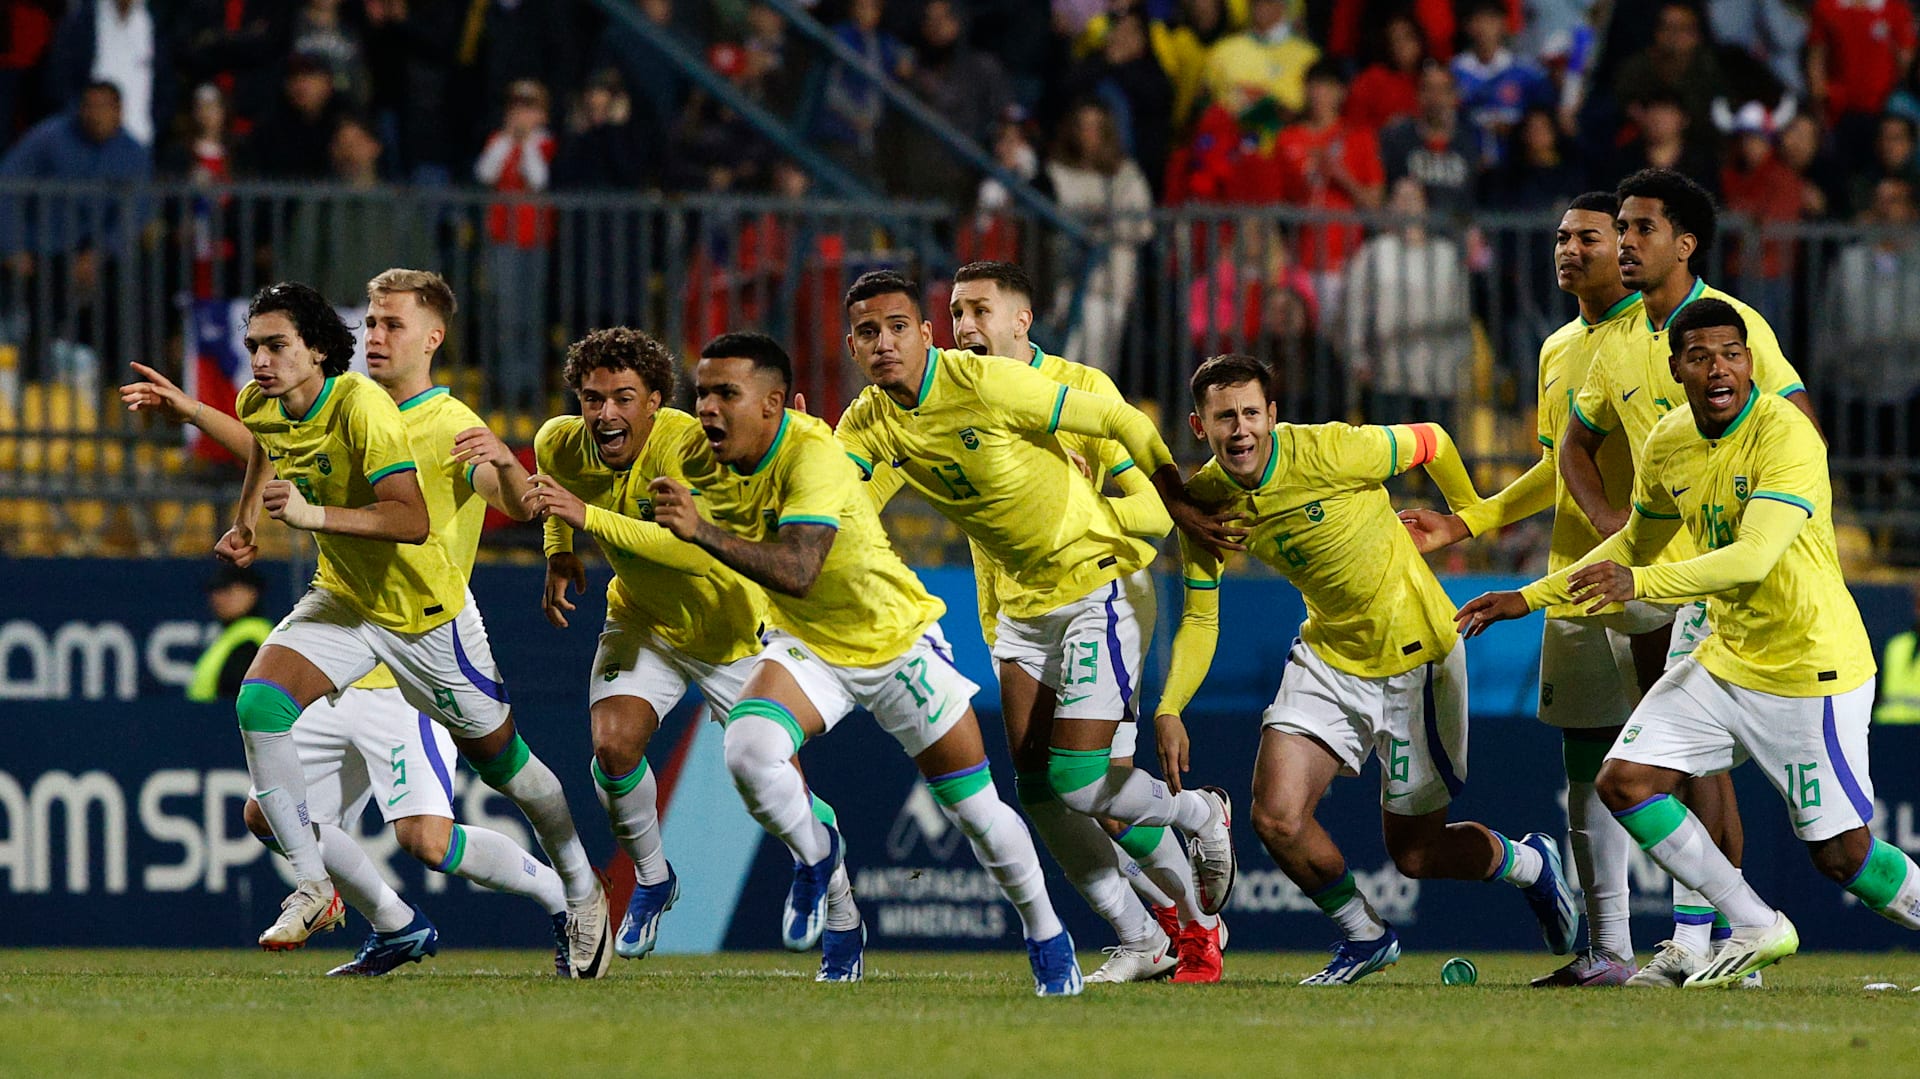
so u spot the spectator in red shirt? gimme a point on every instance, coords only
(1325, 163)
(1757, 185)
(517, 161)
(1857, 52)
(1390, 87)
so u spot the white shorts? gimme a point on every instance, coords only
(632, 662)
(1689, 629)
(372, 744)
(447, 672)
(1587, 676)
(1088, 652)
(1814, 749)
(1415, 721)
(917, 698)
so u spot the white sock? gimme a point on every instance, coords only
(274, 766)
(1692, 919)
(495, 862)
(1143, 885)
(1601, 852)
(1169, 868)
(1131, 796)
(1004, 848)
(536, 790)
(1348, 907)
(759, 753)
(633, 812)
(1521, 866)
(842, 912)
(360, 882)
(1679, 842)
(1085, 852)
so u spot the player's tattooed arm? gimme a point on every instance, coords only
(789, 563)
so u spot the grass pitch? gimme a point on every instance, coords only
(74, 1013)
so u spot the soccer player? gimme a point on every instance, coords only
(369, 741)
(1666, 224)
(992, 311)
(387, 591)
(675, 615)
(1588, 675)
(849, 626)
(976, 437)
(1377, 667)
(1786, 679)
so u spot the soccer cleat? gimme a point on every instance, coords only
(1550, 898)
(1751, 981)
(1056, 970)
(314, 907)
(589, 938)
(1169, 919)
(1199, 948)
(1672, 964)
(641, 927)
(1749, 949)
(1355, 959)
(1143, 962)
(805, 916)
(842, 953)
(561, 966)
(1588, 969)
(1211, 852)
(383, 952)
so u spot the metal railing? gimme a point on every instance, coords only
(1362, 317)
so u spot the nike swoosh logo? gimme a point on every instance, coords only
(272, 456)
(1678, 491)
(412, 940)
(938, 710)
(397, 797)
(1064, 701)
(264, 793)
(1804, 823)
(1549, 384)
(318, 915)
(1402, 794)
(1628, 395)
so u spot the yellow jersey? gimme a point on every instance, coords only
(981, 446)
(1320, 515)
(1796, 632)
(350, 438)
(866, 607)
(681, 593)
(1630, 384)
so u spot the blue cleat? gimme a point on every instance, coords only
(1056, 970)
(641, 927)
(1355, 959)
(805, 917)
(383, 952)
(1551, 899)
(842, 953)
(562, 966)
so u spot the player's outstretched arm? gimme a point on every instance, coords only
(547, 498)
(498, 476)
(1767, 529)
(1193, 648)
(789, 563)
(1527, 495)
(1579, 460)
(1433, 450)
(159, 394)
(398, 513)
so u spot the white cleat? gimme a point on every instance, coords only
(589, 936)
(1751, 981)
(1670, 967)
(314, 907)
(1749, 949)
(1143, 962)
(1211, 852)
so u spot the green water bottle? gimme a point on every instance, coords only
(1459, 971)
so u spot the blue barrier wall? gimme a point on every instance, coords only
(120, 802)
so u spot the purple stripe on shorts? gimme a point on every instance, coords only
(1436, 748)
(1113, 650)
(938, 651)
(480, 681)
(433, 756)
(1861, 803)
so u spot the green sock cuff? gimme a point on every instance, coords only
(1880, 876)
(1720, 921)
(951, 790)
(505, 764)
(1141, 839)
(1653, 820)
(265, 708)
(456, 851)
(1583, 758)
(1073, 769)
(622, 785)
(1032, 788)
(271, 844)
(770, 710)
(823, 812)
(1336, 895)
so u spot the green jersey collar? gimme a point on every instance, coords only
(1614, 311)
(1699, 288)
(926, 380)
(778, 437)
(1037, 354)
(423, 397)
(326, 391)
(1753, 394)
(1266, 474)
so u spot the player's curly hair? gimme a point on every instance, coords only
(883, 283)
(622, 348)
(1231, 369)
(313, 318)
(1686, 205)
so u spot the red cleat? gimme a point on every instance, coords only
(1169, 919)
(1199, 948)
